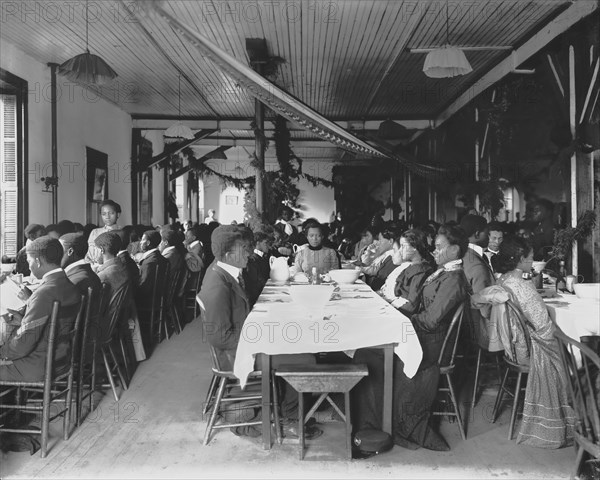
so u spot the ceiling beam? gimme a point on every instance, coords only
(187, 168)
(577, 11)
(250, 142)
(237, 124)
(162, 156)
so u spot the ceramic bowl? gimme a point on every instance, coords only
(344, 276)
(538, 266)
(587, 290)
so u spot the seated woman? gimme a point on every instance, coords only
(315, 254)
(415, 264)
(547, 417)
(443, 291)
(366, 250)
(385, 242)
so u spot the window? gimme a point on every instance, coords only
(13, 188)
(8, 163)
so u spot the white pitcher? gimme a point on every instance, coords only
(280, 271)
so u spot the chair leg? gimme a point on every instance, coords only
(210, 394)
(301, 424)
(215, 410)
(456, 407)
(124, 385)
(109, 375)
(45, 423)
(499, 397)
(348, 425)
(276, 419)
(578, 460)
(68, 410)
(176, 318)
(513, 414)
(476, 382)
(125, 358)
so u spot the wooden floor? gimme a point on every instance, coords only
(156, 431)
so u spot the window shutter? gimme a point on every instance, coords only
(8, 163)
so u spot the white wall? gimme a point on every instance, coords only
(83, 120)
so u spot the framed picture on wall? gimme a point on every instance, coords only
(96, 183)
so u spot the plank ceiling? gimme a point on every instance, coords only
(348, 60)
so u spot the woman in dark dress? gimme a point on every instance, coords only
(443, 291)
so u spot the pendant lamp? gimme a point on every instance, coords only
(178, 131)
(447, 61)
(86, 67)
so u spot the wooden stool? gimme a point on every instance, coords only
(324, 379)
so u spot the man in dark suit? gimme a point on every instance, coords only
(257, 270)
(224, 309)
(112, 271)
(124, 257)
(23, 356)
(170, 248)
(478, 273)
(78, 271)
(151, 259)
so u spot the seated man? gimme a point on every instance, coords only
(194, 258)
(23, 356)
(78, 271)
(112, 271)
(258, 269)
(225, 307)
(169, 247)
(150, 260)
(125, 258)
(32, 231)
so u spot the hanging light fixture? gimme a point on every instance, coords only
(446, 61)
(86, 67)
(178, 131)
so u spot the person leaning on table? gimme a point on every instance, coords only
(443, 291)
(23, 356)
(225, 308)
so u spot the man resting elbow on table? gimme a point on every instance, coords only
(225, 307)
(23, 356)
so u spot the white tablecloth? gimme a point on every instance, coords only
(575, 316)
(358, 319)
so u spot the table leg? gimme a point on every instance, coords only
(388, 371)
(266, 400)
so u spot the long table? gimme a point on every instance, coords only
(355, 317)
(576, 317)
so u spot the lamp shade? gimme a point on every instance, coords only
(87, 68)
(446, 62)
(179, 131)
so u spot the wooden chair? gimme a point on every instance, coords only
(56, 389)
(170, 314)
(228, 390)
(110, 335)
(514, 318)
(151, 310)
(479, 365)
(86, 371)
(584, 394)
(324, 379)
(188, 299)
(447, 364)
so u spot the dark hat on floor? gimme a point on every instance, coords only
(369, 442)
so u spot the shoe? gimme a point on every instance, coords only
(246, 431)
(310, 432)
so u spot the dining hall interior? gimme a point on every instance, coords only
(340, 238)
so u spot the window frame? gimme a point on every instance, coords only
(19, 88)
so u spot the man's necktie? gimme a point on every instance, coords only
(242, 282)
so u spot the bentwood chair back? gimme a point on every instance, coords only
(584, 395)
(95, 313)
(116, 309)
(447, 364)
(514, 332)
(53, 396)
